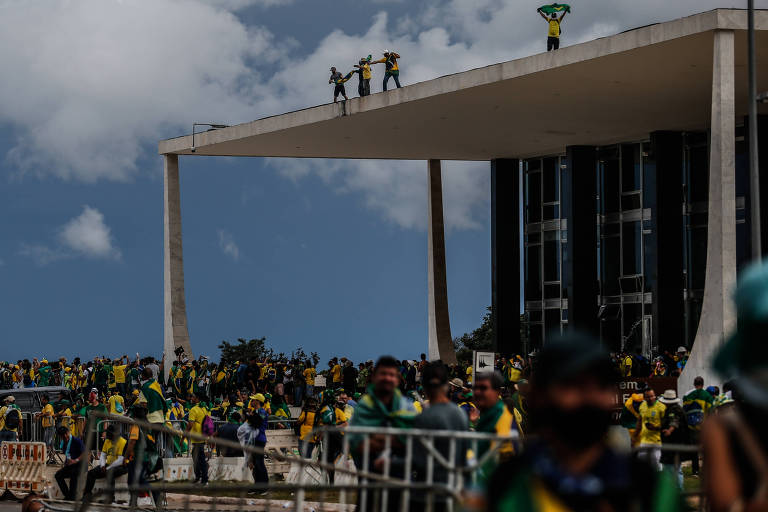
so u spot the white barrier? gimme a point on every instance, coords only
(21, 466)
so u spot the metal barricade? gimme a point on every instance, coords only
(387, 460)
(21, 466)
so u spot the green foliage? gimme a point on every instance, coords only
(257, 348)
(479, 339)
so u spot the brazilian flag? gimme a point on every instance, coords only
(553, 8)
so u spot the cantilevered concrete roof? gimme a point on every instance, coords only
(612, 89)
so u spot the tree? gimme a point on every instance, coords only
(479, 339)
(257, 347)
(244, 350)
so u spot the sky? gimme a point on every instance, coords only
(327, 255)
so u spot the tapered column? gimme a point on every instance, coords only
(440, 341)
(505, 255)
(717, 313)
(176, 333)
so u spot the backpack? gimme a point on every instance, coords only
(11, 420)
(207, 427)
(119, 407)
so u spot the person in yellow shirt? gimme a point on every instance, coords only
(469, 376)
(305, 424)
(553, 33)
(119, 367)
(392, 69)
(364, 75)
(116, 403)
(47, 421)
(195, 425)
(335, 372)
(309, 377)
(651, 417)
(111, 463)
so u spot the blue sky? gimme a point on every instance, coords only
(327, 255)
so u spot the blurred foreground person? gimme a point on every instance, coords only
(736, 444)
(570, 466)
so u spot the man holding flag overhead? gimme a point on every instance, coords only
(553, 35)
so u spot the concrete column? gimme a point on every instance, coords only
(717, 314)
(176, 334)
(440, 341)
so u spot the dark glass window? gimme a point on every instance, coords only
(534, 197)
(698, 174)
(610, 190)
(631, 177)
(630, 202)
(633, 242)
(698, 258)
(633, 327)
(611, 256)
(551, 180)
(533, 273)
(534, 315)
(551, 212)
(551, 291)
(611, 333)
(552, 260)
(551, 322)
(536, 336)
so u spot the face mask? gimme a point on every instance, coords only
(581, 427)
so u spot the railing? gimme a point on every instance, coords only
(386, 457)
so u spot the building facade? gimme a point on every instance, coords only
(647, 231)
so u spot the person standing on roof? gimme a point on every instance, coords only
(338, 80)
(364, 74)
(392, 69)
(553, 35)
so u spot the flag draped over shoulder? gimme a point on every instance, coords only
(153, 394)
(553, 8)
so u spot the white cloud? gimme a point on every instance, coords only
(398, 189)
(227, 245)
(89, 236)
(86, 235)
(90, 86)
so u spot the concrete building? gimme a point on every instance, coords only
(627, 152)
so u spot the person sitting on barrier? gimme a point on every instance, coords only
(253, 433)
(111, 463)
(141, 452)
(11, 424)
(568, 464)
(74, 455)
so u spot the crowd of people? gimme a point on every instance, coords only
(559, 403)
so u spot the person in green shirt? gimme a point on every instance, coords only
(696, 405)
(43, 373)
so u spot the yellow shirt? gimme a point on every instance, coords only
(652, 414)
(66, 417)
(469, 375)
(336, 373)
(196, 416)
(113, 451)
(554, 28)
(47, 416)
(309, 376)
(113, 401)
(119, 372)
(366, 71)
(307, 422)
